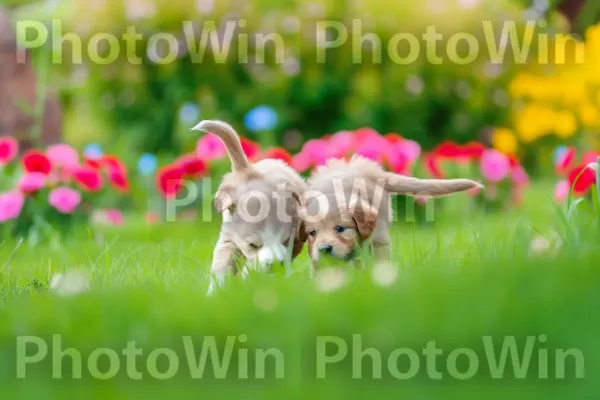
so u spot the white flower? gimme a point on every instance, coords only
(384, 274)
(541, 245)
(70, 283)
(266, 300)
(331, 279)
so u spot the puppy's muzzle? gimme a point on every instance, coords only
(325, 249)
(269, 257)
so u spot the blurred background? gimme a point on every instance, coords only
(526, 108)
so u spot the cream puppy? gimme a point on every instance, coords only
(259, 203)
(348, 203)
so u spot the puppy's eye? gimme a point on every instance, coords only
(339, 229)
(286, 242)
(254, 246)
(313, 233)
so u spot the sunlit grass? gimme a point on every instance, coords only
(453, 281)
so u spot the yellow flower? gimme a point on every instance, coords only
(505, 141)
(528, 131)
(589, 115)
(565, 124)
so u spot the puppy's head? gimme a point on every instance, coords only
(336, 231)
(261, 220)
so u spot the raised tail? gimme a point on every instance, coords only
(427, 187)
(230, 139)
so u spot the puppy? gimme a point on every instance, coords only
(259, 203)
(348, 203)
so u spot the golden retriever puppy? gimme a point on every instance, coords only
(348, 203)
(259, 203)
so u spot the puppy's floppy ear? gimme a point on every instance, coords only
(299, 239)
(288, 187)
(365, 219)
(301, 235)
(224, 199)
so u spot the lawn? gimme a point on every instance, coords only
(466, 281)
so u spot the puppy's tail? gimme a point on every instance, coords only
(230, 139)
(400, 184)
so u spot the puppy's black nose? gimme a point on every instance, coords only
(325, 249)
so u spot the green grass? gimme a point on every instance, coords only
(467, 276)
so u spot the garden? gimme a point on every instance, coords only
(108, 226)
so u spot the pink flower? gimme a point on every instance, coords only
(301, 162)
(114, 216)
(64, 199)
(398, 163)
(565, 159)
(420, 200)
(409, 148)
(9, 147)
(364, 134)
(342, 143)
(519, 176)
(561, 191)
(63, 156)
(11, 204)
(31, 182)
(373, 151)
(318, 151)
(210, 147)
(371, 145)
(495, 166)
(402, 154)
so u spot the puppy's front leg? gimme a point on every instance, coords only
(222, 264)
(382, 251)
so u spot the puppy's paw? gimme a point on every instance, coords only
(218, 280)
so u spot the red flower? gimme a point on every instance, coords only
(92, 162)
(9, 147)
(432, 166)
(398, 163)
(88, 178)
(473, 150)
(169, 180)
(393, 137)
(116, 172)
(447, 149)
(278, 153)
(110, 161)
(363, 134)
(250, 147)
(565, 160)
(513, 160)
(192, 166)
(36, 161)
(118, 179)
(585, 180)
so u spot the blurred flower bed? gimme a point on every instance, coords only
(57, 189)
(555, 105)
(497, 122)
(149, 107)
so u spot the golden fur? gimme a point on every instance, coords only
(348, 203)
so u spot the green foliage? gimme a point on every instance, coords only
(139, 105)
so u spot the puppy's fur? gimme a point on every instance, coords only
(259, 203)
(348, 203)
